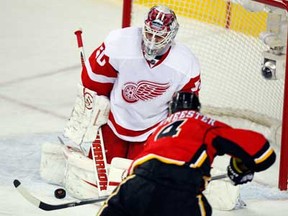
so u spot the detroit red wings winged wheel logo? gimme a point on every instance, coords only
(143, 90)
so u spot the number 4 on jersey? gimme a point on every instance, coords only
(171, 130)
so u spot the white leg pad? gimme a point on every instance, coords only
(117, 172)
(52, 164)
(80, 180)
(222, 194)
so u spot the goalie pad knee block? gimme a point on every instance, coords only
(117, 172)
(89, 113)
(52, 164)
(80, 179)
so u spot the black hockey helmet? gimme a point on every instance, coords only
(184, 101)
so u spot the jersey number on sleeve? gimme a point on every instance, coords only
(100, 56)
(171, 130)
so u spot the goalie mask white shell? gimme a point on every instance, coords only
(159, 30)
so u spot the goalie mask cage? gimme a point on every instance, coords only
(224, 35)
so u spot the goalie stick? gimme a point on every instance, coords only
(50, 207)
(97, 147)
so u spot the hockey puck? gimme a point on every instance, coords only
(60, 193)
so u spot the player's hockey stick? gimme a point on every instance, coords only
(97, 147)
(217, 177)
(50, 207)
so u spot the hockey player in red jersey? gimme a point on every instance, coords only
(138, 70)
(168, 177)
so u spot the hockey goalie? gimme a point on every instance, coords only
(126, 88)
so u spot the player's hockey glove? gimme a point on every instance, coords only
(238, 172)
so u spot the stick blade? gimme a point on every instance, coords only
(50, 207)
(25, 193)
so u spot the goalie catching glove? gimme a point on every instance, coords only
(238, 172)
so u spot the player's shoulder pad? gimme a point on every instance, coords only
(182, 59)
(123, 42)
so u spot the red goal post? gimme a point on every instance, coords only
(225, 36)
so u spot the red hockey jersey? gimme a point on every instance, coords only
(193, 139)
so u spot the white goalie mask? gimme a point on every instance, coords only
(159, 30)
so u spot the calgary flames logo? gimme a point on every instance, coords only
(143, 90)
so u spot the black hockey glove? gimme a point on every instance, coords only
(238, 172)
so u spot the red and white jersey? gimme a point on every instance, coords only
(139, 91)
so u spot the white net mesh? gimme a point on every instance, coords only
(225, 38)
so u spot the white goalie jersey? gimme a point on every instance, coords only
(138, 90)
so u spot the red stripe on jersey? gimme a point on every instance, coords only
(127, 132)
(100, 88)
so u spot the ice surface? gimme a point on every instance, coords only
(39, 72)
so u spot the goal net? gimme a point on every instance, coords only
(233, 41)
